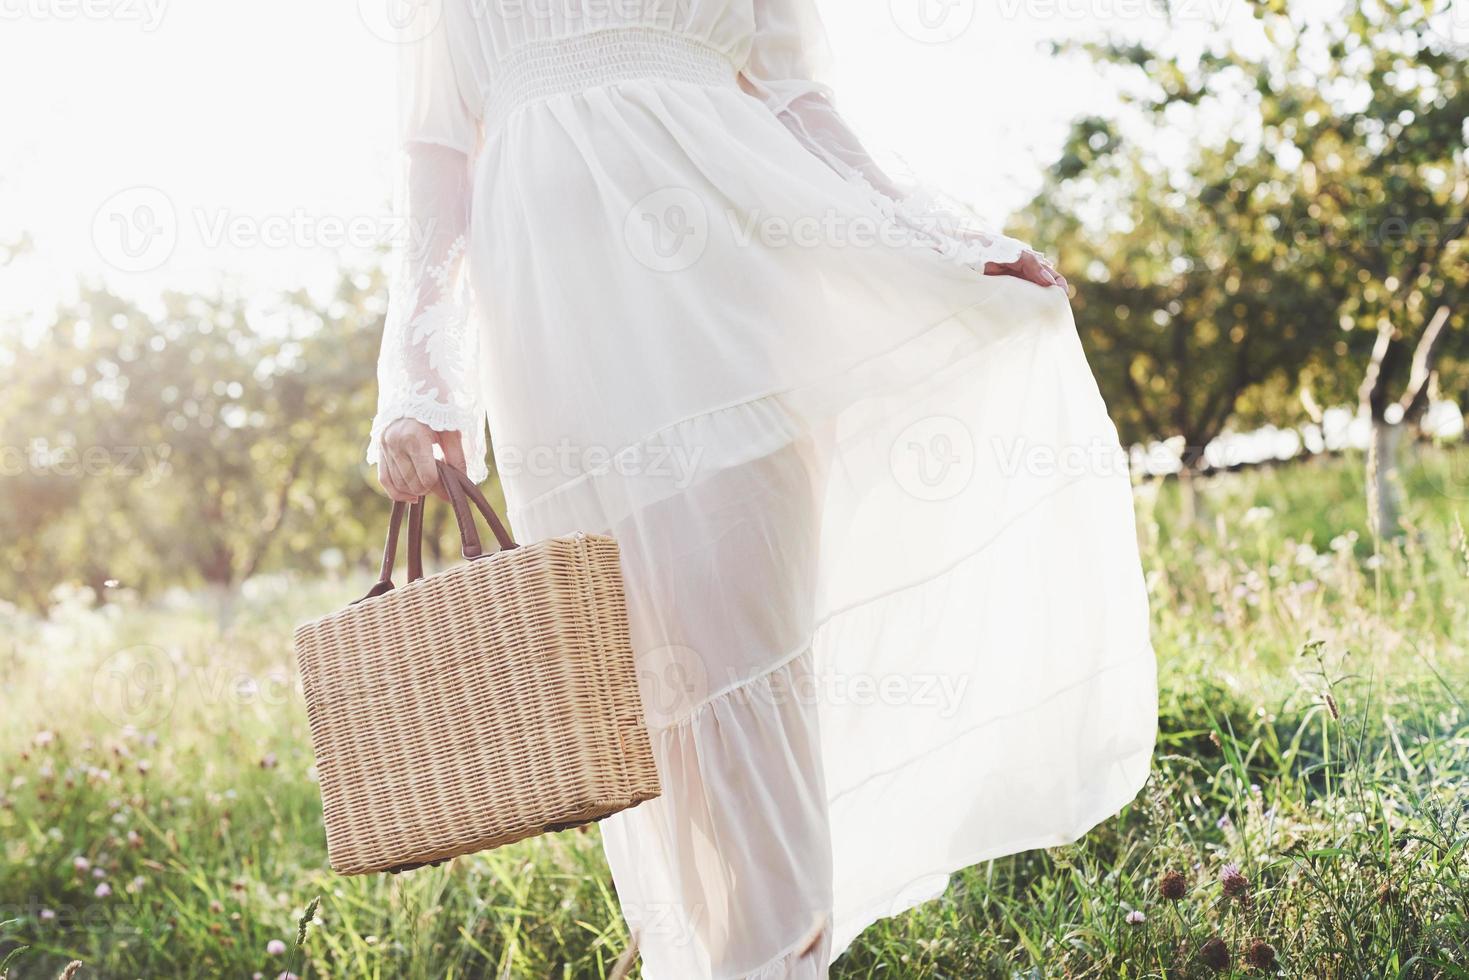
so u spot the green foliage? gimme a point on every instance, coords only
(1258, 210)
(198, 443)
(1314, 733)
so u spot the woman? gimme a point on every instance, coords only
(877, 541)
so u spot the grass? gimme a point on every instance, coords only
(158, 816)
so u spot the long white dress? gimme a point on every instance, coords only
(877, 531)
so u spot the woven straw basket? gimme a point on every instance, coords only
(476, 707)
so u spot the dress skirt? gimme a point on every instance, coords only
(876, 527)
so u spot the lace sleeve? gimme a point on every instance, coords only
(787, 60)
(428, 368)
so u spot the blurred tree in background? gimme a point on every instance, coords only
(196, 444)
(1274, 222)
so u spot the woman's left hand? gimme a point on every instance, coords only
(1030, 267)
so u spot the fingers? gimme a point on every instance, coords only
(407, 469)
(452, 443)
(408, 458)
(387, 475)
(420, 474)
(1022, 268)
(1030, 267)
(1056, 276)
(1037, 270)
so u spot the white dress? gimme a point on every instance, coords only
(877, 530)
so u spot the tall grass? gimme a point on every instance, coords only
(1308, 815)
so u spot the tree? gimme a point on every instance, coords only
(199, 443)
(1309, 238)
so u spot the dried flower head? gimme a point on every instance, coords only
(1215, 955)
(1260, 955)
(1236, 885)
(1173, 886)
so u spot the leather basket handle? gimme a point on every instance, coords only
(461, 491)
(459, 486)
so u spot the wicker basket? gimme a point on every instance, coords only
(476, 707)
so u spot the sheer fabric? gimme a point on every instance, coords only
(876, 526)
(429, 366)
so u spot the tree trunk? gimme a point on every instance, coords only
(1383, 485)
(1190, 481)
(1384, 499)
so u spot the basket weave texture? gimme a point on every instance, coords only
(485, 704)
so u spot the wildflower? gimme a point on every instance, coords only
(48, 915)
(1172, 886)
(1224, 823)
(275, 948)
(1260, 955)
(144, 766)
(288, 975)
(1136, 917)
(103, 890)
(216, 907)
(81, 864)
(135, 839)
(268, 761)
(43, 739)
(99, 873)
(1215, 955)
(1236, 885)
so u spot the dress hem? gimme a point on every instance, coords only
(871, 912)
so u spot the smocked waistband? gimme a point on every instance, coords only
(541, 69)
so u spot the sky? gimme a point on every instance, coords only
(263, 129)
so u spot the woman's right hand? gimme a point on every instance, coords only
(406, 469)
